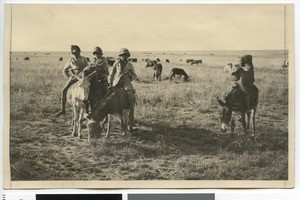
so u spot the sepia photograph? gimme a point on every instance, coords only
(149, 96)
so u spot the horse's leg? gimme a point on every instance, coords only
(80, 120)
(248, 120)
(244, 123)
(123, 123)
(109, 121)
(232, 124)
(75, 119)
(253, 123)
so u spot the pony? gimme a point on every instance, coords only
(235, 105)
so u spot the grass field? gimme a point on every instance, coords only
(178, 128)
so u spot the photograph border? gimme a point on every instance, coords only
(178, 184)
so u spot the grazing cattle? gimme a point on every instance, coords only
(196, 62)
(26, 58)
(167, 60)
(228, 67)
(235, 104)
(61, 59)
(115, 104)
(189, 60)
(285, 64)
(178, 72)
(78, 95)
(158, 60)
(132, 59)
(157, 67)
(150, 63)
(111, 61)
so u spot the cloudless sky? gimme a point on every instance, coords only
(140, 27)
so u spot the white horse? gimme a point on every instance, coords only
(78, 95)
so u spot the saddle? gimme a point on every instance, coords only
(236, 97)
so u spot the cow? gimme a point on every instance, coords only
(196, 62)
(60, 58)
(235, 105)
(114, 104)
(167, 61)
(158, 60)
(77, 96)
(189, 60)
(132, 59)
(228, 67)
(157, 67)
(285, 64)
(111, 61)
(26, 58)
(179, 72)
(150, 63)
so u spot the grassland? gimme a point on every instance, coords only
(178, 129)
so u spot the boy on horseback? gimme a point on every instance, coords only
(121, 76)
(245, 75)
(75, 65)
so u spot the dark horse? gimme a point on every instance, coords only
(235, 104)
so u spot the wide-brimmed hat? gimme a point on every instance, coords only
(124, 51)
(75, 48)
(97, 50)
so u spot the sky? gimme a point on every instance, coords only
(147, 27)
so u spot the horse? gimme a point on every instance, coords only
(116, 103)
(77, 96)
(235, 104)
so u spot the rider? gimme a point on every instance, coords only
(100, 65)
(75, 65)
(246, 75)
(121, 76)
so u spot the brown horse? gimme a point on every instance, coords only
(235, 104)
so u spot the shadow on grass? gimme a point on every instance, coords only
(189, 141)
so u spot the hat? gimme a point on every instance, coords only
(75, 48)
(124, 51)
(97, 50)
(247, 59)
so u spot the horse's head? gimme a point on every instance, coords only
(186, 78)
(225, 114)
(84, 86)
(94, 130)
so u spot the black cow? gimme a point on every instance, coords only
(189, 60)
(111, 61)
(167, 60)
(61, 59)
(179, 72)
(158, 59)
(26, 58)
(132, 59)
(196, 62)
